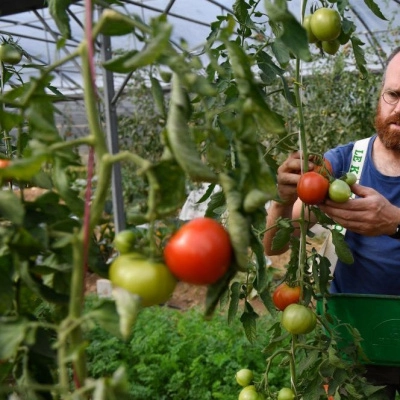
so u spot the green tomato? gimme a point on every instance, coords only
(331, 47)
(298, 319)
(350, 178)
(306, 25)
(325, 24)
(124, 241)
(286, 394)
(339, 191)
(152, 281)
(9, 54)
(249, 393)
(244, 377)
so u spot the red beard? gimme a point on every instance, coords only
(391, 140)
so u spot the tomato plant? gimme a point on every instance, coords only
(326, 24)
(284, 295)
(151, 280)
(339, 191)
(298, 319)
(200, 252)
(312, 188)
(9, 54)
(286, 394)
(244, 377)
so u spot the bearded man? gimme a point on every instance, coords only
(371, 219)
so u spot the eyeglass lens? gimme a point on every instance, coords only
(390, 97)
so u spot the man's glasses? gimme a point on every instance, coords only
(390, 97)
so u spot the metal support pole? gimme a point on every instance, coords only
(112, 137)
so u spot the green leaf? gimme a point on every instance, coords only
(248, 319)
(23, 169)
(375, 9)
(282, 238)
(341, 247)
(158, 96)
(292, 34)
(131, 61)
(11, 207)
(58, 10)
(12, 334)
(359, 55)
(179, 139)
(233, 301)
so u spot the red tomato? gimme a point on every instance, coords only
(324, 169)
(312, 188)
(284, 295)
(4, 163)
(200, 252)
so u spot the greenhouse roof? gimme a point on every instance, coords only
(29, 22)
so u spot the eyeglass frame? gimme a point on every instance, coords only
(394, 94)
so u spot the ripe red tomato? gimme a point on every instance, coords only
(298, 319)
(284, 295)
(152, 281)
(312, 188)
(200, 252)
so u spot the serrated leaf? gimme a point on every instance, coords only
(248, 319)
(341, 247)
(359, 55)
(240, 8)
(375, 9)
(281, 238)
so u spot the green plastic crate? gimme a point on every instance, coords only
(376, 317)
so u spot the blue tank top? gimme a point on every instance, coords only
(376, 268)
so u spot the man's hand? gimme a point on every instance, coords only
(369, 214)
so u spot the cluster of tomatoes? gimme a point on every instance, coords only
(245, 378)
(324, 28)
(315, 186)
(199, 253)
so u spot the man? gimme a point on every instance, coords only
(372, 219)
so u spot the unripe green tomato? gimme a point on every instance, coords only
(326, 24)
(350, 178)
(124, 241)
(286, 394)
(306, 25)
(339, 191)
(331, 47)
(9, 54)
(298, 319)
(244, 377)
(248, 393)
